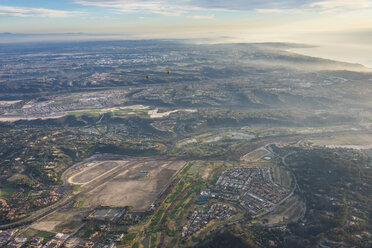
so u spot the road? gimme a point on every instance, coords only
(41, 212)
(290, 169)
(74, 232)
(292, 191)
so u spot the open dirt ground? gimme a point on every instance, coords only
(60, 220)
(93, 172)
(129, 182)
(255, 155)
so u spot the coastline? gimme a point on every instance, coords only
(355, 55)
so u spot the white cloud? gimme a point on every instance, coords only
(174, 12)
(182, 7)
(326, 6)
(342, 4)
(35, 12)
(126, 6)
(201, 17)
(272, 11)
(161, 7)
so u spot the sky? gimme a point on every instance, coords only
(319, 22)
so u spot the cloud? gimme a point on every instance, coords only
(273, 11)
(247, 4)
(127, 5)
(35, 12)
(182, 7)
(201, 17)
(188, 7)
(279, 4)
(173, 12)
(151, 5)
(326, 6)
(342, 4)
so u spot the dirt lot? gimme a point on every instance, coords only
(60, 221)
(255, 155)
(45, 225)
(93, 172)
(133, 182)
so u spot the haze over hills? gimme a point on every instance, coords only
(328, 47)
(164, 143)
(143, 124)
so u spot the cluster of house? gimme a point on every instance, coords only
(57, 241)
(11, 239)
(263, 186)
(112, 245)
(12, 213)
(17, 242)
(88, 244)
(107, 241)
(17, 208)
(253, 188)
(9, 105)
(132, 217)
(36, 242)
(49, 199)
(6, 236)
(45, 200)
(100, 100)
(201, 218)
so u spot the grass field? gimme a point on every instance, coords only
(80, 203)
(92, 113)
(289, 210)
(31, 232)
(365, 139)
(6, 192)
(153, 241)
(281, 176)
(121, 111)
(64, 102)
(255, 155)
(146, 242)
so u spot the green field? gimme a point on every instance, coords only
(289, 210)
(80, 204)
(117, 113)
(6, 192)
(344, 140)
(92, 113)
(30, 232)
(281, 176)
(64, 102)
(18, 178)
(153, 240)
(121, 112)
